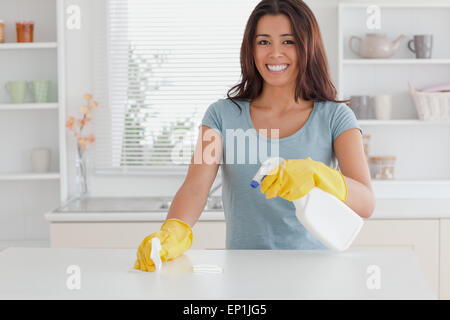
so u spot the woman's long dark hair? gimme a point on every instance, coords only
(313, 80)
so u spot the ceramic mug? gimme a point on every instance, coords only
(382, 105)
(40, 90)
(423, 45)
(40, 160)
(17, 91)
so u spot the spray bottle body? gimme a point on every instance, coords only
(326, 217)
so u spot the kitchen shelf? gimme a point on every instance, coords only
(29, 106)
(411, 189)
(395, 61)
(393, 4)
(417, 182)
(28, 45)
(29, 176)
(404, 122)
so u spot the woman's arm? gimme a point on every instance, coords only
(190, 199)
(349, 151)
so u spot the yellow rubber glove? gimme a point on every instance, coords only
(293, 179)
(175, 237)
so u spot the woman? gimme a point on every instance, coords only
(286, 90)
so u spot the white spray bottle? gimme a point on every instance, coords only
(326, 217)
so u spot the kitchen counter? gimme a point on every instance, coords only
(247, 274)
(148, 209)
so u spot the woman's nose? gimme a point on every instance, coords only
(276, 51)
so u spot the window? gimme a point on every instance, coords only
(166, 62)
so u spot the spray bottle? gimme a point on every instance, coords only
(326, 217)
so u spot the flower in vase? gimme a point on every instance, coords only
(72, 123)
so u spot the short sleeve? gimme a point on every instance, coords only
(343, 119)
(212, 118)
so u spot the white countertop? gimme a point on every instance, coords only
(247, 274)
(139, 209)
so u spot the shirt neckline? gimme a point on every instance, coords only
(292, 136)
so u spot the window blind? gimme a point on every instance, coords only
(159, 65)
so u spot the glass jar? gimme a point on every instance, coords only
(2, 32)
(382, 168)
(25, 31)
(366, 142)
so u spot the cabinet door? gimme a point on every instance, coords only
(422, 236)
(207, 234)
(123, 235)
(445, 259)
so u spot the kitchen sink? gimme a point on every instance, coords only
(129, 204)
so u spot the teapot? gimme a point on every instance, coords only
(375, 45)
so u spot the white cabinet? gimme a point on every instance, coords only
(207, 234)
(413, 142)
(445, 259)
(25, 195)
(422, 236)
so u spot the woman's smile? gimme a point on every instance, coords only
(277, 69)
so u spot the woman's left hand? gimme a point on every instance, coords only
(295, 178)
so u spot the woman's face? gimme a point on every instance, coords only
(275, 46)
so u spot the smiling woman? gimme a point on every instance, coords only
(285, 87)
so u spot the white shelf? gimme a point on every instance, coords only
(411, 189)
(29, 176)
(395, 4)
(411, 182)
(395, 61)
(406, 122)
(28, 106)
(28, 45)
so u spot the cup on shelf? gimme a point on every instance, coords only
(360, 106)
(421, 45)
(25, 30)
(40, 89)
(40, 160)
(382, 105)
(17, 90)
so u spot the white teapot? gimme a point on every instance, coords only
(375, 45)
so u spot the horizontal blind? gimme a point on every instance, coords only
(166, 62)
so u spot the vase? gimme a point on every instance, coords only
(82, 172)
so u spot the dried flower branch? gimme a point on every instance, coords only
(81, 123)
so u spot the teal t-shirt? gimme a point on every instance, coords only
(252, 221)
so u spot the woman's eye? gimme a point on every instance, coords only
(292, 42)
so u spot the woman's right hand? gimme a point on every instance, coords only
(175, 236)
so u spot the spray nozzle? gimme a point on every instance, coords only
(267, 166)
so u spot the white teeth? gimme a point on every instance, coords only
(277, 67)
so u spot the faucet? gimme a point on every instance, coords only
(214, 205)
(214, 190)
